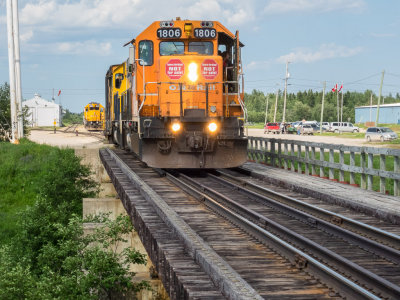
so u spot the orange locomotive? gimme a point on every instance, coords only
(177, 101)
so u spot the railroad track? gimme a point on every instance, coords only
(280, 247)
(71, 128)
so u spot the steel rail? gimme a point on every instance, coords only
(225, 278)
(303, 261)
(367, 278)
(373, 246)
(383, 236)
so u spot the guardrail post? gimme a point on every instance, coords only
(363, 166)
(258, 154)
(321, 158)
(273, 152)
(306, 166)
(292, 153)
(382, 167)
(264, 150)
(352, 163)
(341, 161)
(396, 188)
(285, 161)
(313, 171)
(279, 153)
(298, 159)
(370, 178)
(331, 160)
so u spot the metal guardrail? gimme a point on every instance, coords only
(355, 161)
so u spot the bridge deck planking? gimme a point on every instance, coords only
(272, 276)
(374, 263)
(372, 203)
(342, 210)
(177, 270)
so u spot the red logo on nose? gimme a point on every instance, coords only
(174, 68)
(209, 69)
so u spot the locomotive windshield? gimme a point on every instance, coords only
(146, 53)
(201, 47)
(172, 48)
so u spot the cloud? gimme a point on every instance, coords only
(105, 13)
(86, 47)
(256, 65)
(325, 51)
(26, 35)
(287, 6)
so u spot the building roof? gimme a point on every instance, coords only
(382, 105)
(39, 101)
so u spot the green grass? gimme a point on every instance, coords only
(23, 168)
(256, 126)
(389, 183)
(349, 135)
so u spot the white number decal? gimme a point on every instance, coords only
(205, 33)
(169, 33)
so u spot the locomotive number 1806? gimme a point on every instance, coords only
(205, 33)
(169, 33)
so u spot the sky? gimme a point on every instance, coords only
(68, 45)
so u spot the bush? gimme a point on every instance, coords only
(28, 170)
(77, 266)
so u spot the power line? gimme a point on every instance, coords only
(362, 79)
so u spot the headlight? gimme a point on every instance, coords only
(212, 127)
(193, 72)
(176, 127)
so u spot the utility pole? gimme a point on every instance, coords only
(284, 96)
(17, 131)
(379, 98)
(370, 109)
(11, 66)
(266, 110)
(18, 92)
(322, 108)
(337, 104)
(341, 111)
(276, 105)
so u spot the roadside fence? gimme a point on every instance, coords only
(368, 167)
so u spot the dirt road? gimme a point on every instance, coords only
(66, 139)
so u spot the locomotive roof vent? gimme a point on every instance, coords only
(166, 24)
(207, 24)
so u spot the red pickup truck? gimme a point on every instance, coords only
(272, 127)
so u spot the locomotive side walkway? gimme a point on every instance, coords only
(373, 203)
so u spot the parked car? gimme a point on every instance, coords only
(306, 129)
(315, 127)
(343, 127)
(272, 127)
(325, 125)
(295, 124)
(380, 134)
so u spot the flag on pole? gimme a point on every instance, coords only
(334, 88)
(59, 92)
(340, 88)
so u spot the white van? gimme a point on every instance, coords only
(343, 127)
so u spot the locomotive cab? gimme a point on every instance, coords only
(175, 102)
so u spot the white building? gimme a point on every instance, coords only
(42, 112)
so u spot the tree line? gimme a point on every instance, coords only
(307, 105)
